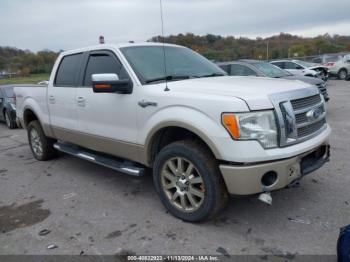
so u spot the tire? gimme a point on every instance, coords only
(41, 145)
(342, 74)
(11, 124)
(201, 193)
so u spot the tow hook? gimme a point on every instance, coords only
(266, 198)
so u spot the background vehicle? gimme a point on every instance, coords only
(205, 135)
(298, 67)
(248, 67)
(8, 106)
(338, 64)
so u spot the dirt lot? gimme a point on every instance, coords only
(94, 210)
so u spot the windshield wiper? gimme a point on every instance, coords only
(211, 75)
(168, 78)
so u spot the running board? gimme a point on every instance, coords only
(126, 167)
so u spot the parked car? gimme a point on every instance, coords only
(205, 134)
(298, 67)
(8, 106)
(338, 64)
(248, 67)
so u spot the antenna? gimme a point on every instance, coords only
(164, 56)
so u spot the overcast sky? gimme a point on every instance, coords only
(67, 24)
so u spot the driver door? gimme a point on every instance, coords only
(106, 121)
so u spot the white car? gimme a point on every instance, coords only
(338, 64)
(205, 135)
(298, 67)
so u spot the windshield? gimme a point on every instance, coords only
(334, 58)
(271, 70)
(304, 64)
(181, 63)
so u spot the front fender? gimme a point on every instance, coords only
(195, 121)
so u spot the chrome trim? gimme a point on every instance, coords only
(282, 103)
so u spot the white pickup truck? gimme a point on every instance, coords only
(205, 135)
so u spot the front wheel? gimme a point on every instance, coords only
(41, 145)
(188, 181)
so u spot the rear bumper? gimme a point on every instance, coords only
(247, 179)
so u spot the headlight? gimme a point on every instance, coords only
(260, 126)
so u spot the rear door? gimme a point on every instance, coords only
(107, 121)
(61, 97)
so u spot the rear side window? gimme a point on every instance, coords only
(68, 71)
(279, 64)
(102, 64)
(241, 70)
(291, 65)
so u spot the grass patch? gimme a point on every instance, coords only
(32, 79)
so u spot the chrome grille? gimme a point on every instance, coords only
(301, 103)
(300, 114)
(309, 115)
(310, 129)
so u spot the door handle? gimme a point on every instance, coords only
(144, 103)
(81, 101)
(52, 99)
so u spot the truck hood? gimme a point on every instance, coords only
(255, 91)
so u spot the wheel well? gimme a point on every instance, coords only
(168, 135)
(343, 68)
(29, 116)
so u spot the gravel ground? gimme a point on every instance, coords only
(93, 210)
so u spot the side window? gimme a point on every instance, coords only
(291, 65)
(68, 70)
(279, 64)
(103, 64)
(226, 68)
(241, 70)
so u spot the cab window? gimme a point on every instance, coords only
(103, 63)
(68, 71)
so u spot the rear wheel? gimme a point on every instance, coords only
(342, 74)
(41, 145)
(189, 182)
(11, 123)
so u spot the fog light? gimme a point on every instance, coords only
(269, 178)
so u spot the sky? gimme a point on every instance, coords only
(68, 24)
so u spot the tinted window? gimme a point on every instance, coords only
(291, 65)
(68, 71)
(241, 70)
(102, 64)
(279, 64)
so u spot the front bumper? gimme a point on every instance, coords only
(247, 179)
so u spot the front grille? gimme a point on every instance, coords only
(310, 129)
(301, 118)
(301, 107)
(302, 103)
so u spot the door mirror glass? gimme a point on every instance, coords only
(110, 83)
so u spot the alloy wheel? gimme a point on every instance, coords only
(183, 185)
(35, 142)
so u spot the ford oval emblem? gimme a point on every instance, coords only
(314, 114)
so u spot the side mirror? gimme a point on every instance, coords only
(110, 83)
(299, 67)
